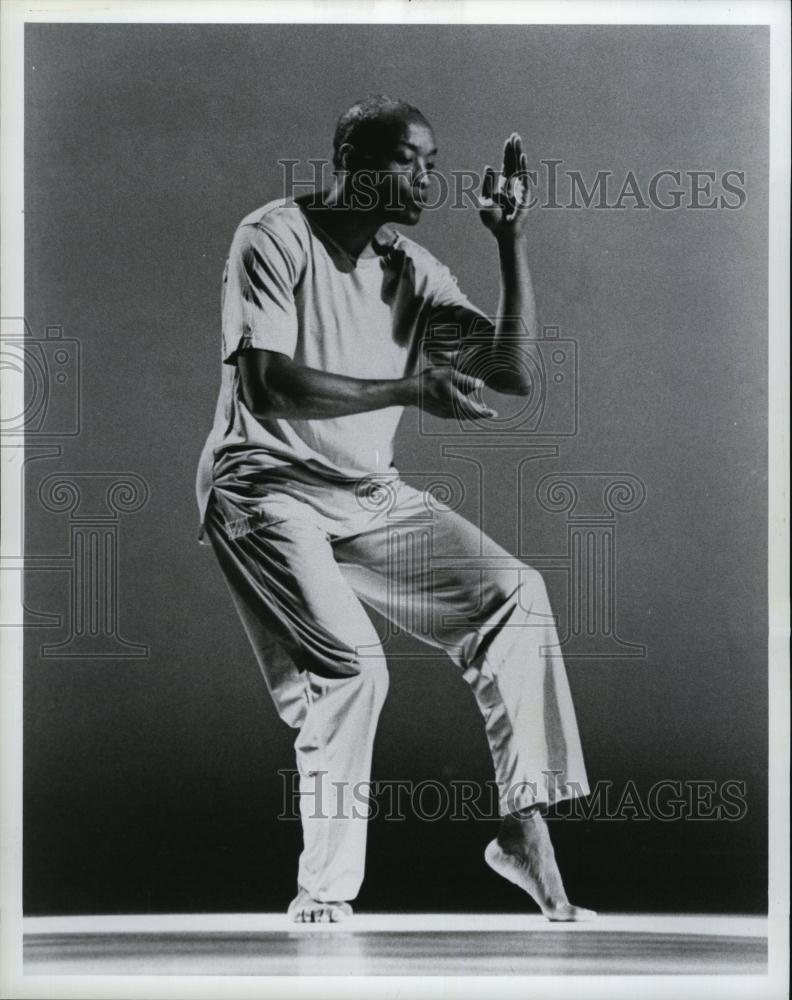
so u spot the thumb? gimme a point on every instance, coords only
(440, 356)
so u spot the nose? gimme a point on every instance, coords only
(422, 178)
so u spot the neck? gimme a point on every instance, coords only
(352, 228)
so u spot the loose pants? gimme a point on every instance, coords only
(300, 580)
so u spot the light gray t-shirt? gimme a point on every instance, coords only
(288, 287)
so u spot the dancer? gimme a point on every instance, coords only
(326, 313)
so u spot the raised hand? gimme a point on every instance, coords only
(505, 197)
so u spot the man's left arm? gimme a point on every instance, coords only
(496, 352)
(516, 321)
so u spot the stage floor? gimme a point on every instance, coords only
(395, 944)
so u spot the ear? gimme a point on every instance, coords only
(346, 153)
(352, 159)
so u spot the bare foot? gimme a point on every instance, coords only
(523, 854)
(304, 909)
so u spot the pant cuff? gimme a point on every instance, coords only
(533, 793)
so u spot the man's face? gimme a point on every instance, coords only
(402, 172)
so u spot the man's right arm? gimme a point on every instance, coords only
(274, 385)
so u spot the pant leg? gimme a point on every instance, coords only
(440, 578)
(325, 669)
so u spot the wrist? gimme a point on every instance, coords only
(407, 391)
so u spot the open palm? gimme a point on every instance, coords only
(505, 197)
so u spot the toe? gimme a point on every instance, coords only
(307, 910)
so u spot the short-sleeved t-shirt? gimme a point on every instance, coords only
(287, 287)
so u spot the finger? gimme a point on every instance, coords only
(467, 383)
(518, 149)
(518, 190)
(465, 404)
(523, 168)
(474, 411)
(524, 179)
(508, 157)
(516, 152)
(488, 184)
(516, 182)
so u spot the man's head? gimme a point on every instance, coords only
(385, 148)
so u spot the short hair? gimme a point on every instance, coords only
(368, 124)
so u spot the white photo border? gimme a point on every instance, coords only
(14, 15)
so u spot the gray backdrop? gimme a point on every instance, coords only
(150, 782)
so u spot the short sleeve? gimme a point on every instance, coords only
(449, 306)
(445, 298)
(258, 304)
(451, 318)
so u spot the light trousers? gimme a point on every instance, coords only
(300, 581)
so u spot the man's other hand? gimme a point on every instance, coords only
(446, 392)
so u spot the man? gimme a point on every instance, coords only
(326, 311)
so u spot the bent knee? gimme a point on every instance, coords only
(369, 685)
(517, 582)
(366, 670)
(370, 667)
(333, 656)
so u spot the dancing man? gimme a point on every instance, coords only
(327, 311)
